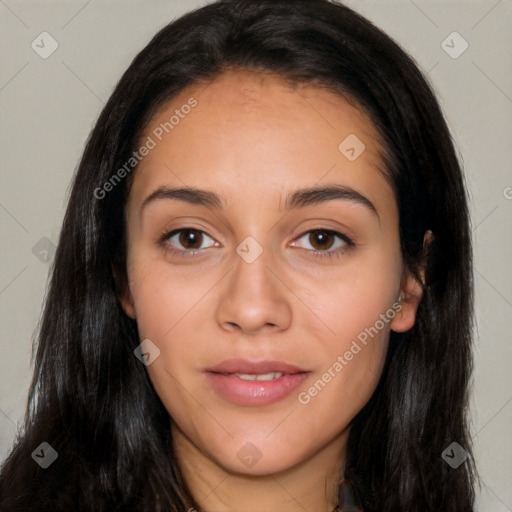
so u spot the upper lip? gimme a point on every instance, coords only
(254, 367)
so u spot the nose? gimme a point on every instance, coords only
(254, 298)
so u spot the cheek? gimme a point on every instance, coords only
(162, 299)
(172, 310)
(355, 299)
(166, 313)
(353, 357)
(356, 311)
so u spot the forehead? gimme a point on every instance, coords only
(248, 94)
(252, 128)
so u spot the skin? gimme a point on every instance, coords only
(253, 139)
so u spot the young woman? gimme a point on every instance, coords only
(262, 294)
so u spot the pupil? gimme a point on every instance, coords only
(190, 237)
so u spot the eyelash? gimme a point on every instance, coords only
(337, 253)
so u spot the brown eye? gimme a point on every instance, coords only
(189, 239)
(321, 240)
(325, 242)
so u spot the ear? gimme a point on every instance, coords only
(411, 292)
(123, 292)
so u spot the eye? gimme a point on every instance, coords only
(189, 239)
(326, 242)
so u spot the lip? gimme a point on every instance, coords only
(254, 393)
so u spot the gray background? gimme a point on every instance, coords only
(48, 107)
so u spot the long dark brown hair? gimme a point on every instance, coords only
(92, 400)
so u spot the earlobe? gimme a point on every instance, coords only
(123, 293)
(127, 304)
(411, 293)
(410, 298)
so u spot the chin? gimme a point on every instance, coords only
(258, 458)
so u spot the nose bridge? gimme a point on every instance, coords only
(254, 297)
(252, 272)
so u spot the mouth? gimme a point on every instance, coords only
(254, 383)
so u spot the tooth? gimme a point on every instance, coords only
(269, 376)
(245, 376)
(260, 377)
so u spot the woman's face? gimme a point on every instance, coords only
(268, 286)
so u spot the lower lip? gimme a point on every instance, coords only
(254, 392)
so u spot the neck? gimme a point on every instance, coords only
(309, 485)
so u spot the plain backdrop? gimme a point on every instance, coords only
(48, 107)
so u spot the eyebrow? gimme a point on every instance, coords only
(297, 199)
